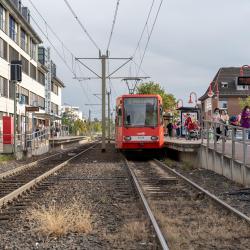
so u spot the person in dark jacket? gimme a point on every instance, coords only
(170, 128)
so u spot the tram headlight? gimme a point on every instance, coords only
(154, 138)
(127, 138)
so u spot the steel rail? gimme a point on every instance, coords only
(15, 194)
(212, 196)
(158, 232)
(28, 165)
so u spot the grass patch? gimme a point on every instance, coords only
(58, 220)
(134, 231)
(187, 165)
(170, 163)
(4, 158)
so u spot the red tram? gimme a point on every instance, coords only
(139, 122)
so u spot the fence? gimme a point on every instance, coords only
(225, 149)
(32, 140)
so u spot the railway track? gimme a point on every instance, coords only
(101, 184)
(16, 183)
(177, 206)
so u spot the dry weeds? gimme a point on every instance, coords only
(188, 226)
(58, 220)
(134, 231)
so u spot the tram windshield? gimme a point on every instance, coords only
(140, 112)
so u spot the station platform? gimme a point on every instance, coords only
(57, 141)
(182, 144)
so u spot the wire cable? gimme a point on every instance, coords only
(81, 25)
(150, 34)
(144, 28)
(113, 23)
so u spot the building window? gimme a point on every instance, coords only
(33, 99)
(25, 65)
(37, 101)
(32, 71)
(13, 54)
(24, 40)
(223, 104)
(224, 85)
(41, 102)
(242, 87)
(12, 29)
(41, 77)
(32, 49)
(23, 95)
(54, 108)
(54, 88)
(3, 49)
(2, 18)
(3, 87)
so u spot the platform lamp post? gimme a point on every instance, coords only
(177, 103)
(242, 69)
(190, 98)
(15, 77)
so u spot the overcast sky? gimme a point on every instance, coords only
(191, 40)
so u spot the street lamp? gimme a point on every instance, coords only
(177, 103)
(242, 69)
(190, 98)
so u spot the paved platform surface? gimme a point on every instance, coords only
(67, 139)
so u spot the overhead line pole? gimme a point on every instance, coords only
(103, 60)
(103, 77)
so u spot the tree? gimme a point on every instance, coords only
(244, 102)
(79, 127)
(168, 100)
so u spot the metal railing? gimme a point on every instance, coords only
(34, 140)
(226, 139)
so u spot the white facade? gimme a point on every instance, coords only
(74, 111)
(19, 40)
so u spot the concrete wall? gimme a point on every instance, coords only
(233, 170)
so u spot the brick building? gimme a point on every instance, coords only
(225, 83)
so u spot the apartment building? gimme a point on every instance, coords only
(226, 92)
(40, 87)
(73, 112)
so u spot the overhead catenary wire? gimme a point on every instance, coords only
(47, 26)
(144, 27)
(81, 25)
(113, 23)
(150, 34)
(62, 57)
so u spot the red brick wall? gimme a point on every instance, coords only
(233, 106)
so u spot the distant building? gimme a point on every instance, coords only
(40, 85)
(72, 111)
(229, 92)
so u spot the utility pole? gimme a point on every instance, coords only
(90, 122)
(103, 60)
(15, 116)
(108, 93)
(103, 77)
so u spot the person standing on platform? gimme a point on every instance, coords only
(170, 129)
(186, 124)
(217, 119)
(245, 120)
(178, 128)
(225, 120)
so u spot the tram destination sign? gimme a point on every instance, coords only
(243, 80)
